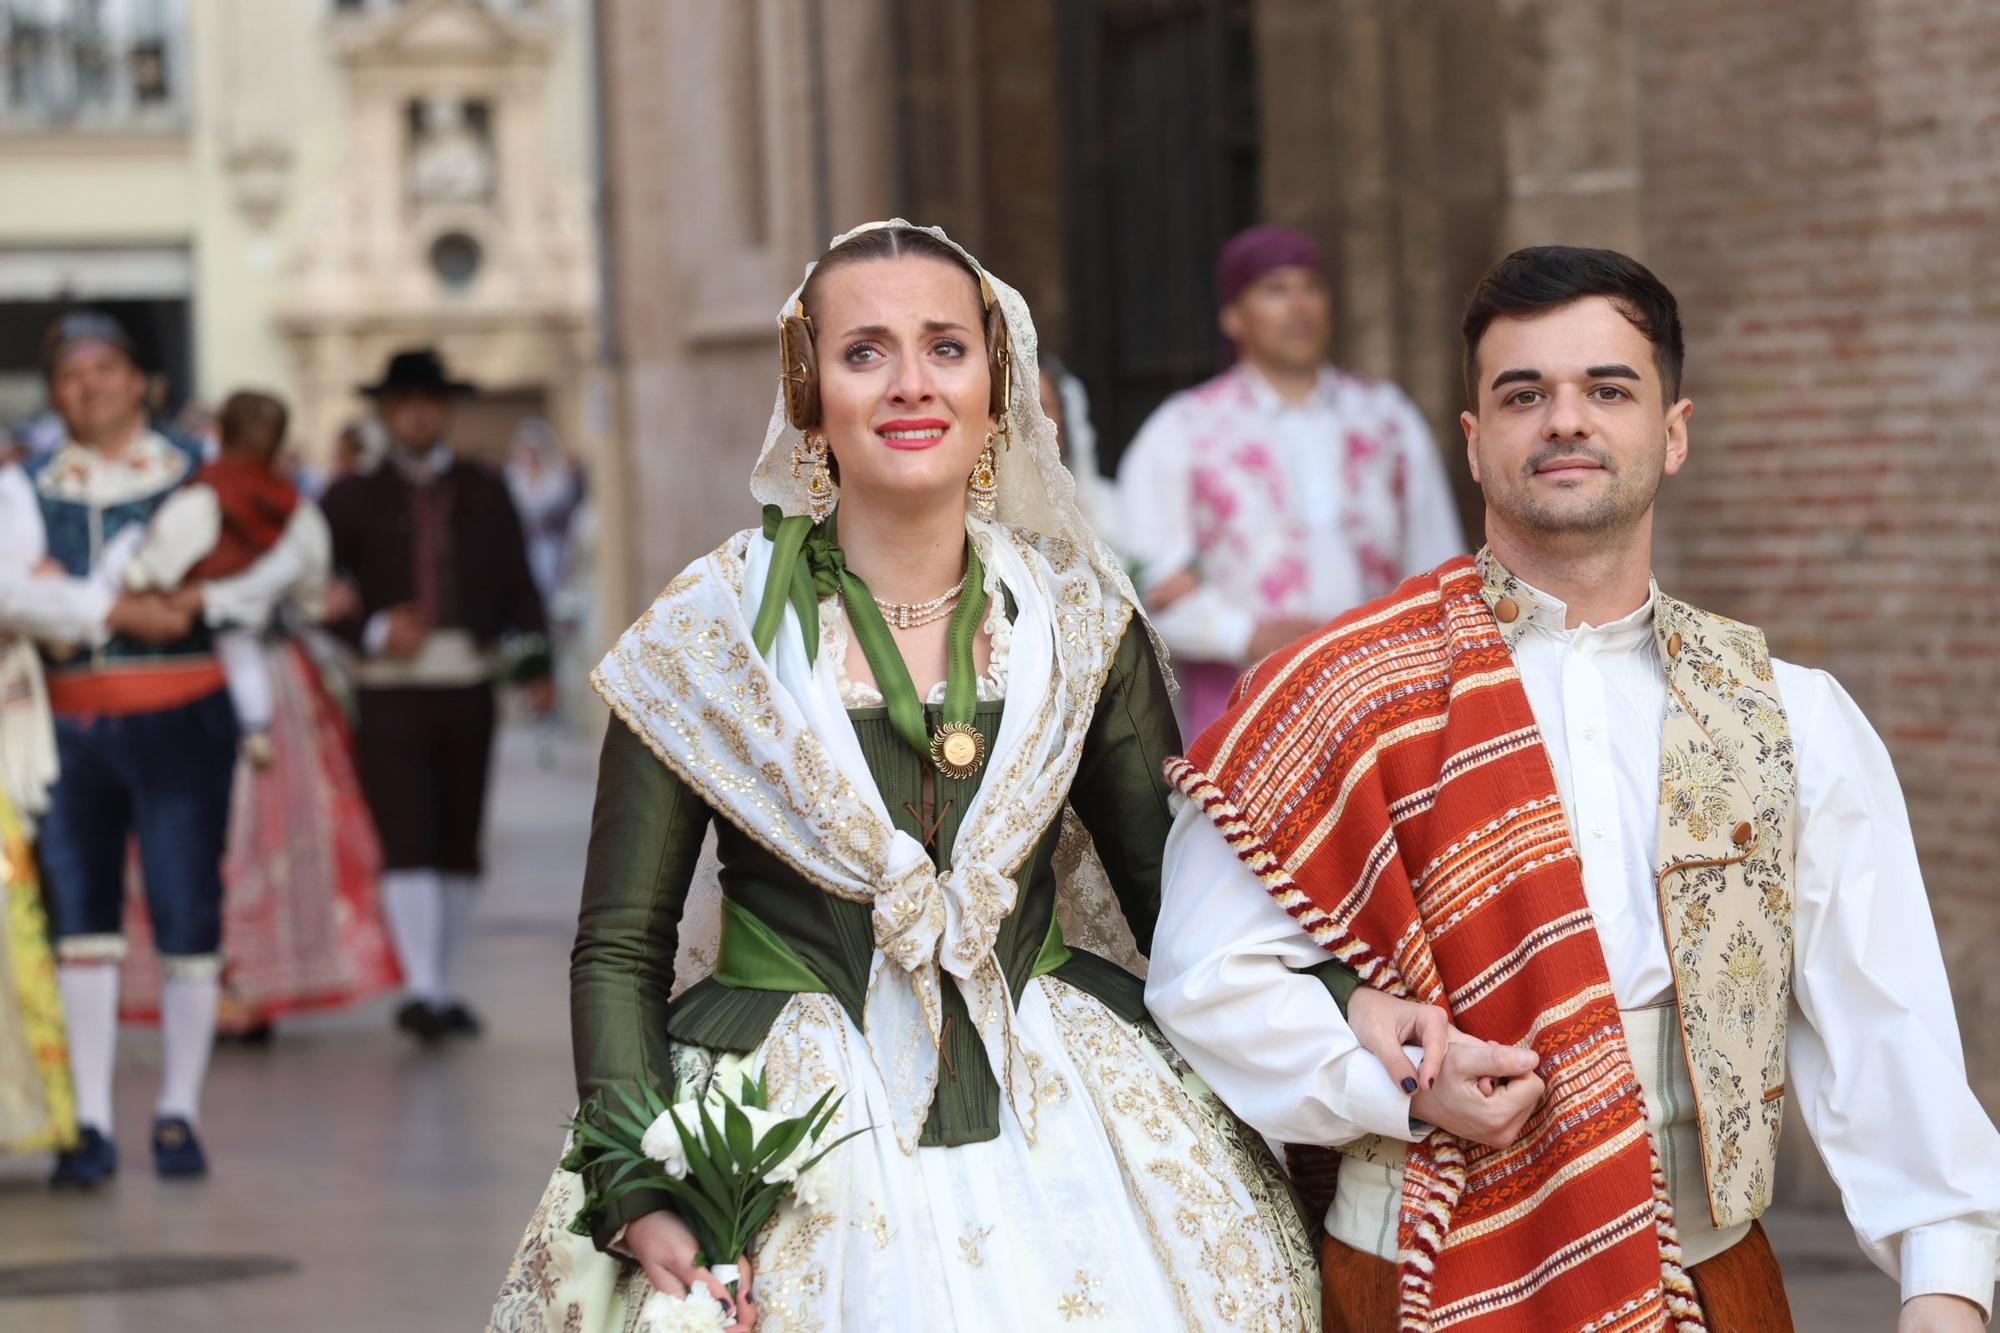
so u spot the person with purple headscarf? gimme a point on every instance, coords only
(1266, 501)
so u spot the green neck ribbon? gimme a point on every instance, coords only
(807, 564)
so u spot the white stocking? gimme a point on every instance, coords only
(90, 1011)
(188, 999)
(413, 900)
(461, 897)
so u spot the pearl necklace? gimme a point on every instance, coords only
(909, 615)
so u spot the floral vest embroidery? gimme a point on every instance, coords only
(1728, 806)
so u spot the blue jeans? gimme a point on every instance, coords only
(164, 776)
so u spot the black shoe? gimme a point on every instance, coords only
(176, 1150)
(421, 1020)
(89, 1164)
(459, 1021)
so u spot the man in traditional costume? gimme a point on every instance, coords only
(1591, 820)
(434, 549)
(145, 741)
(1283, 491)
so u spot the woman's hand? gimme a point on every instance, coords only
(1385, 1025)
(1478, 1090)
(1485, 1092)
(665, 1249)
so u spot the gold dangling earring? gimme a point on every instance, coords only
(984, 484)
(810, 453)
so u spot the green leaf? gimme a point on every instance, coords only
(742, 1142)
(708, 1222)
(777, 1145)
(753, 1095)
(636, 1164)
(702, 1169)
(760, 1207)
(825, 1110)
(820, 1156)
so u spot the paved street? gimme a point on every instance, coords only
(388, 1186)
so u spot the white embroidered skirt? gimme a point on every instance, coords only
(1142, 1205)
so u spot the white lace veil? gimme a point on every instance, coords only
(1035, 492)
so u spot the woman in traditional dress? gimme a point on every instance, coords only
(302, 925)
(37, 1104)
(925, 720)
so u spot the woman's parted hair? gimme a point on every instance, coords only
(1541, 278)
(800, 363)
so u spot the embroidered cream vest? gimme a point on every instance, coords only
(1728, 797)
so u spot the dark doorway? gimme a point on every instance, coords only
(1161, 166)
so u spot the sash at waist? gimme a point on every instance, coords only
(148, 687)
(752, 956)
(1370, 1188)
(757, 971)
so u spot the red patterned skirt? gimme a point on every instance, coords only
(302, 928)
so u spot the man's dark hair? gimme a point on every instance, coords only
(252, 425)
(1542, 278)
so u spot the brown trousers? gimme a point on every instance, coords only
(1740, 1289)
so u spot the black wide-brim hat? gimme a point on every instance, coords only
(418, 370)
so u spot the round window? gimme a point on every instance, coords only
(455, 258)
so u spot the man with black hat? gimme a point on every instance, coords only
(145, 742)
(435, 551)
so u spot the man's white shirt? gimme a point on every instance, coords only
(1875, 1066)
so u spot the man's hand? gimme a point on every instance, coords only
(1271, 635)
(341, 602)
(1940, 1314)
(1168, 591)
(1460, 1103)
(186, 598)
(408, 628)
(1385, 1025)
(148, 618)
(665, 1248)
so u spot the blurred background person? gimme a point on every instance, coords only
(236, 509)
(302, 928)
(1266, 501)
(146, 749)
(435, 551)
(1067, 403)
(547, 487)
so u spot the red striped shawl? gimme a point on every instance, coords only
(1386, 781)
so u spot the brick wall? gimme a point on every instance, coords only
(1821, 188)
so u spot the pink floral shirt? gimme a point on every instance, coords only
(1305, 509)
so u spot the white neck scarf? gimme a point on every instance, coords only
(768, 745)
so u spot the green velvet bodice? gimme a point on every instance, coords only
(646, 837)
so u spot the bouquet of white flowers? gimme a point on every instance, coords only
(727, 1161)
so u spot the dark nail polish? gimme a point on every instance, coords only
(1410, 1085)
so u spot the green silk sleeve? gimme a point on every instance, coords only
(1339, 979)
(1120, 792)
(645, 836)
